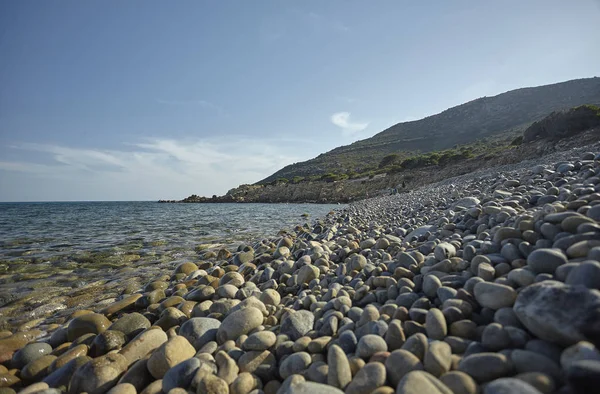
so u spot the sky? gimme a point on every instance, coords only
(143, 100)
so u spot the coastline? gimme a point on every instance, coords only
(461, 272)
(351, 190)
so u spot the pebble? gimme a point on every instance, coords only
(370, 344)
(93, 323)
(438, 358)
(369, 378)
(459, 382)
(419, 382)
(131, 324)
(200, 330)
(239, 323)
(169, 354)
(559, 313)
(494, 295)
(339, 374)
(583, 375)
(435, 324)
(98, 375)
(509, 386)
(546, 261)
(484, 367)
(181, 374)
(29, 353)
(297, 324)
(143, 344)
(294, 364)
(399, 363)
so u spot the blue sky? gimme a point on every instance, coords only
(140, 100)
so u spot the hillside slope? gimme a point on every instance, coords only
(503, 115)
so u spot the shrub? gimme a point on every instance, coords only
(389, 160)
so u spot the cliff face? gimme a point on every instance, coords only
(316, 191)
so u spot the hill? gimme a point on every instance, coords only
(485, 119)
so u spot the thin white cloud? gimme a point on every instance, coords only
(149, 169)
(342, 120)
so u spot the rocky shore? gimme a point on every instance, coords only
(485, 283)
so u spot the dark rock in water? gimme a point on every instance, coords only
(560, 313)
(29, 353)
(7, 298)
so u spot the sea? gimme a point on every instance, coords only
(39, 239)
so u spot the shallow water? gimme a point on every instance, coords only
(35, 235)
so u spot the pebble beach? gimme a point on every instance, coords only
(484, 283)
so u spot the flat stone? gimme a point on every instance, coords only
(584, 374)
(239, 323)
(93, 323)
(138, 375)
(494, 295)
(527, 361)
(339, 374)
(399, 363)
(131, 324)
(369, 345)
(107, 341)
(169, 354)
(420, 382)
(435, 324)
(29, 353)
(459, 382)
(261, 340)
(181, 374)
(559, 313)
(98, 375)
(484, 367)
(546, 261)
(62, 376)
(260, 363)
(438, 358)
(580, 351)
(123, 388)
(212, 384)
(586, 274)
(540, 381)
(308, 273)
(297, 324)
(309, 388)
(294, 364)
(510, 386)
(200, 330)
(121, 305)
(38, 368)
(370, 377)
(143, 344)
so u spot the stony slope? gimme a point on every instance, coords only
(506, 113)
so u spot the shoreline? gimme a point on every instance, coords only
(446, 280)
(352, 190)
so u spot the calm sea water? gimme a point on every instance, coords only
(44, 232)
